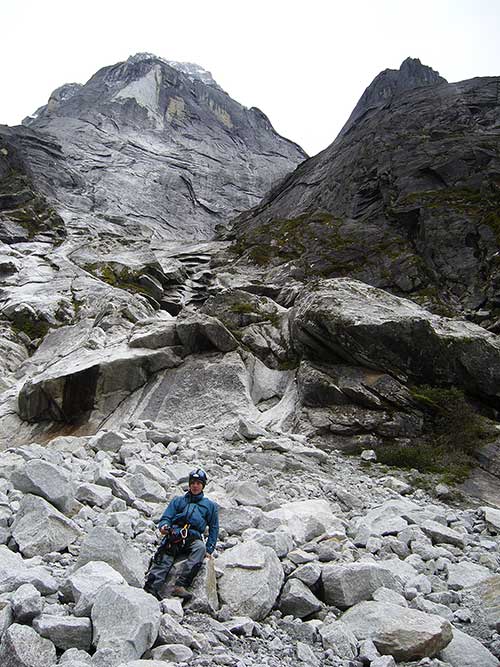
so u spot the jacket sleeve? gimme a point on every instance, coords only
(168, 514)
(213, 529)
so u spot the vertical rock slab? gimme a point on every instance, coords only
(251, 579)
(125, 620)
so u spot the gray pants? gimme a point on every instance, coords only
(195, 551)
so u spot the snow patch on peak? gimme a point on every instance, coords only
(193, 71)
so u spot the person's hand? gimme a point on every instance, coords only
(163, 530)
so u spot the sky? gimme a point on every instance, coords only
(303, 63)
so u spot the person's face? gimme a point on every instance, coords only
(196, 487)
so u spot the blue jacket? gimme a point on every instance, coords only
(198, 511)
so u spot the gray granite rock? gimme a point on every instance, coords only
(251, 579)
(403, 633)
(14, 572)
(83, 585)
(466, 574)
(346, 585)
(93, 494)
(297, 600)
(305, 519)
(27, 603)
(353, 312)
(46, 480)
(466, 651)
(172, 652)
(338, 637)
(21, 646)
(125, 619)
(40, 528)
(105, 544)
(65, 631)
(172, 632)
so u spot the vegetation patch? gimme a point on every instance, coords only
(34, 329)
(242, 308)
(454, 433)
(123, 279)
(482, 207)
(29, 209)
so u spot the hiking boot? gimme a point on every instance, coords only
(181, 592)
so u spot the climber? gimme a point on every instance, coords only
(182, 524)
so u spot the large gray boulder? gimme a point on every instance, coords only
(92, 379)
(347, 584)
(27, 603)
(251, 579)
(21, 646)
(212, 389)
(46, 480)
(248, 494)
(406, 634)
(126, 620)
(304, 519)
(200, 333)
(465, 651)
(105, 544)
(39, 528)
(83, 585)
(338, 637)
(14, 572)
(366, 326)
(297, 600)
(465, 574)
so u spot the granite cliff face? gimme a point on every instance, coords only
(149, 149)
(406, 198)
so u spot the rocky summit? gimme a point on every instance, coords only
(181, 287)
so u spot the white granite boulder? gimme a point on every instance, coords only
(105, 544)
(339, 638)
(297, 600)
(40, 528)
(83, 585)
(465, 574)
(465, 651)
(251, 579)
(27, 603)
(46, 480)
(126, 620)
(304, 519)
(346, 585)
(14, 572)
(21, 646)
(248, 494)
(65, 631)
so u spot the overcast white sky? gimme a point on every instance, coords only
(304, 63)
